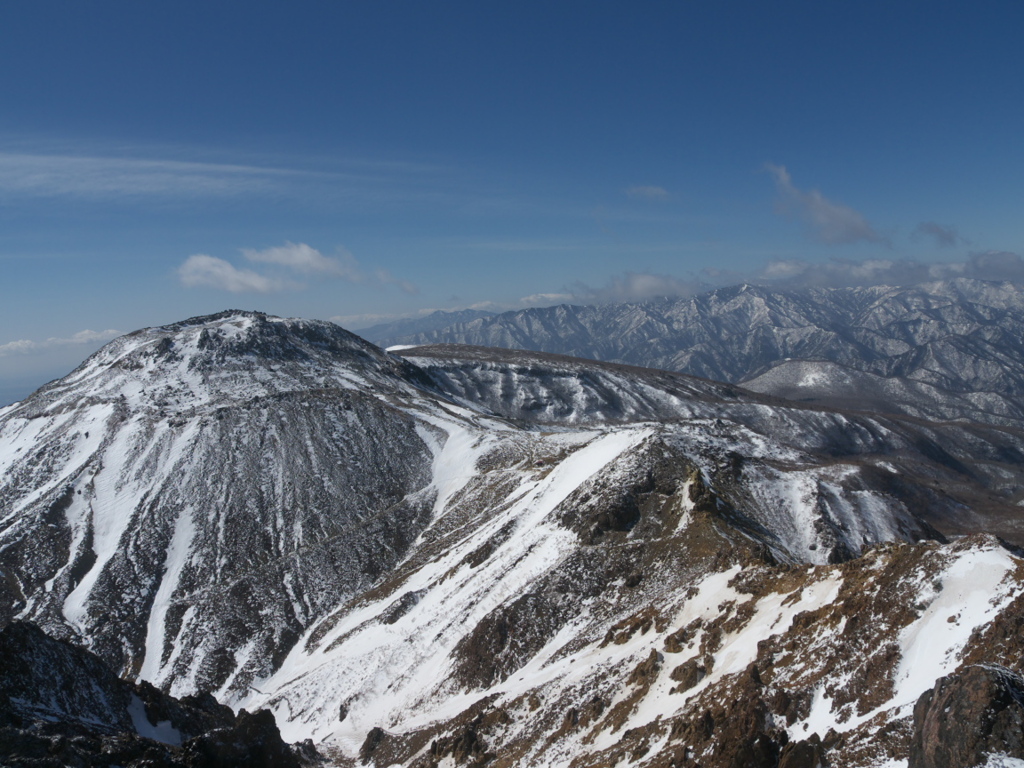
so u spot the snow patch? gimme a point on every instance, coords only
(163, 731)
(178, 554)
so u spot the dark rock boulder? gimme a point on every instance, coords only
(688, 674)
(61, 706)
(253, 741)
(43, 678)
(967, 716)
(809, 753)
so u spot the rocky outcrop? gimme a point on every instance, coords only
(967, 717)
(775, 667)
(61, 706)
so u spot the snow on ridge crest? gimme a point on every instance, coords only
(225, 357)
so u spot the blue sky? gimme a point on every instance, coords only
(366, 160)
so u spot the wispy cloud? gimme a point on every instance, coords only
(526, 245)
(280, 264)
(384, 277)
(139, 174)
(844, 273)
(26, 346)
(41, 175)
(648, 192)
(829, 222)
(995, 265)
(944, 236)
(786, 273)
(546, 299)
(202, 271)
(367, 319)
(778, 274)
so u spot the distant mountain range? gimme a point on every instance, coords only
(944, 350)
(435, 321)
(464, 556)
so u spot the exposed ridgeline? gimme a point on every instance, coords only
(943, 350)
(482, 556)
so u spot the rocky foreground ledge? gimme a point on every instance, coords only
(61, 706)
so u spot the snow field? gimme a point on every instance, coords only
(386, 674)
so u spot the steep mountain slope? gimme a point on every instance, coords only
(740, 663)
(191, 497)
(959, 477)
(479, 556)
(964, 338)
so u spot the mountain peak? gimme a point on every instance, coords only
(230, 355)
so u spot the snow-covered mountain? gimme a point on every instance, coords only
(950, 349)
(473, 556)
(188, 499)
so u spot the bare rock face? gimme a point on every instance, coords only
(967, 717)
(809, 753)
(44, 678)
(61, 706)
(253, 740)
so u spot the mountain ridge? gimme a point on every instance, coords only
(961, 336)
(279, 513)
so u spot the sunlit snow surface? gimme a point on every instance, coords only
(395, 676)
(391, 668)
(1003, 761)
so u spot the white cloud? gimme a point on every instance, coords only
(200, 270)
(307, 260)
(831, 223)
(647, 191)
(25, 346)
